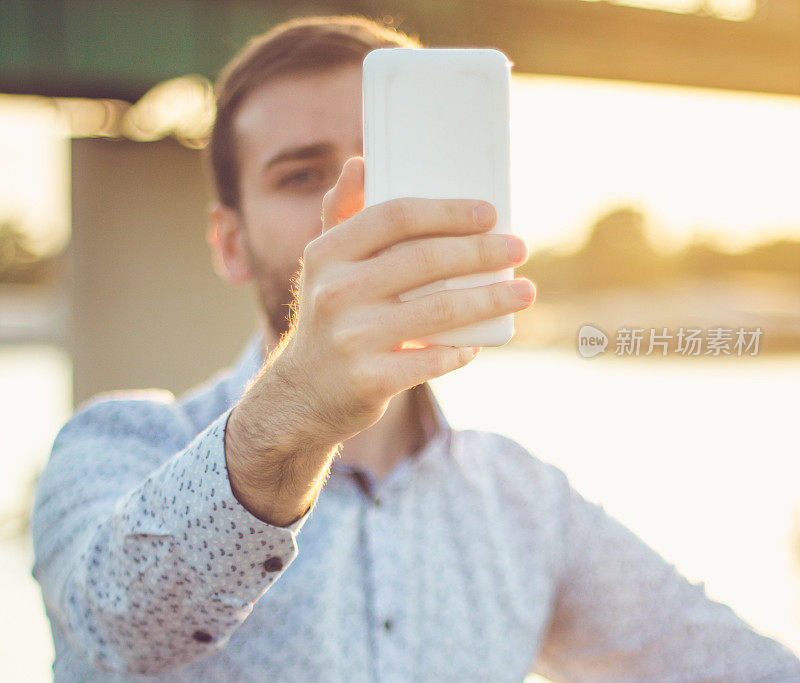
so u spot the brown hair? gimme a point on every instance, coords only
(292, 47)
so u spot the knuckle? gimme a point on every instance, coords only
(455, 211)
(497, 296)
(368, 382)
(311, 250)
(344, 339)
(397, 213)
(353, 333)
(437, 364)
(331, 295)
(486, 253)
(424, 257)
(326, 298)
(321, 299)
(442, 307)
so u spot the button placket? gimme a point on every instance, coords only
(382, 530)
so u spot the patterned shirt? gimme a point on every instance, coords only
(472, 560)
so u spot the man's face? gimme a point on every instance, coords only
(293, 136)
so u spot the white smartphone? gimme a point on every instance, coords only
(436, 125)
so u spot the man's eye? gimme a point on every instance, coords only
(303, 179)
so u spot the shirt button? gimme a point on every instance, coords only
(377, 502)
(273, 564)
(387, 625)
(202, 636)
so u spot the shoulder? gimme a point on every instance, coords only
(150, 422)
(508, 467)
(204, 403)
(523, 497)
(501, 457)
(110, 443)
(152, 416)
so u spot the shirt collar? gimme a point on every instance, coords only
(437, 429)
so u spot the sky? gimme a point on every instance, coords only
(692, 159)
(34, 170)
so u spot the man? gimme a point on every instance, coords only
(168, 531)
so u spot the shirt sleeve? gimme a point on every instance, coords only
(143, 553)
(623, 613)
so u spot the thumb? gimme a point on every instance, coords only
(346, 198)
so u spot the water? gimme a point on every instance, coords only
(35, 398)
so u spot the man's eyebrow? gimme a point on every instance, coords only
(313, 151)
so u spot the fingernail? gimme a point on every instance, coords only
(522, 289)
(516, 248)
(484, 215)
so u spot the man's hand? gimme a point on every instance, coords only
(351, 324)
(344, 360)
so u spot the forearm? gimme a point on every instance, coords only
(278, 452)
(136, 572)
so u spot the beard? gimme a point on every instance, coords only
(276, 290)
(277, 296)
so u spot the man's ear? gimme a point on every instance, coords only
(225, 237)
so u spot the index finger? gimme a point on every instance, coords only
(382, 225)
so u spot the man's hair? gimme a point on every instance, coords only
(294, 47)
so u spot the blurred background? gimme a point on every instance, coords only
(656, 178)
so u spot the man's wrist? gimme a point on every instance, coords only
(276, 482)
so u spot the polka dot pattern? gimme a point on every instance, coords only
(472, 560)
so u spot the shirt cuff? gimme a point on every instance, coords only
(223, 553)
